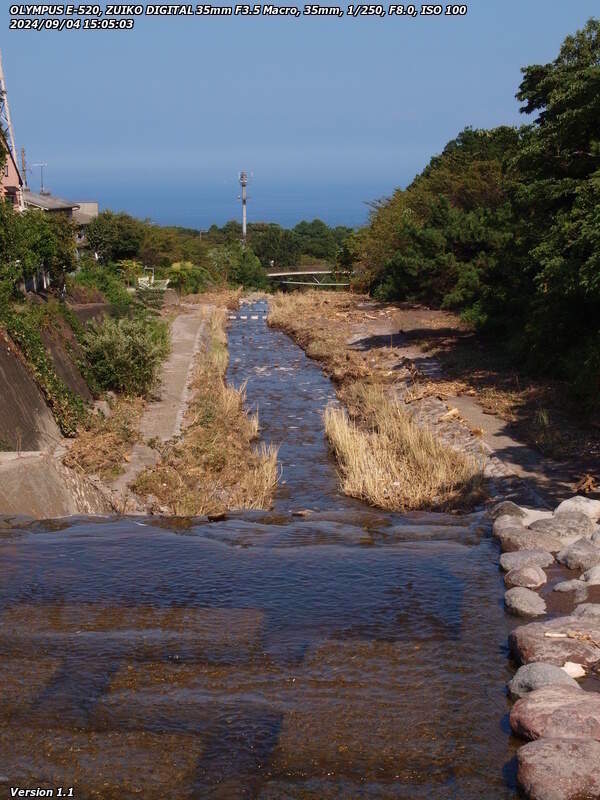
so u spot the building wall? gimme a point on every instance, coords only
(10, 183)
(88, 207)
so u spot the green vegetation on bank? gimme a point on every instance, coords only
(124, 354)
(195, 261)
(32, 240)
(24, 325)
(504, 225)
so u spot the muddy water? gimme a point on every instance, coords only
(349, 654)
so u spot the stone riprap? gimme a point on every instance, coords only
(525, 558)
(531, 677)
(592, 576)
(566, 525)
(563, 761)
(573, 585)
(588, 611)
(556, 641)
(513, 539)
(508, 509)
(560, 769)
(582, 555)
(562, 712)
(585, 505)
(524, 602)
(530, 577)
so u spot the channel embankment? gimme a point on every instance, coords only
(33, 480)
(37, 484)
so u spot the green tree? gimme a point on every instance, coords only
(317, 240)
(272, 243)
(115, 236)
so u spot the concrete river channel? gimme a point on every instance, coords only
(350, 653)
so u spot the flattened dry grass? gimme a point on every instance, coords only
(103, 445)
(319, 322)
(388, 461)
(214, 466)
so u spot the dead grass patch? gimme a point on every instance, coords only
(384, 458)
(321, 324)
(222, 298)
(214, 466)
(388, 461)
(103, 445)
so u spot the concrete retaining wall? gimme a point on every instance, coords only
(37, 485)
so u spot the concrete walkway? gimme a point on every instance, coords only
(163, 418)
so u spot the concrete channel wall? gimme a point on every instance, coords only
(36, 484)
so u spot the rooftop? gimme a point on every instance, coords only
(47, 202)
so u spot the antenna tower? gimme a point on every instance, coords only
(5, 118)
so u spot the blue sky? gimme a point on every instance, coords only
(327, 113)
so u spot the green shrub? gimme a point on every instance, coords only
(105, 279)
(124, 354)
(188, 278)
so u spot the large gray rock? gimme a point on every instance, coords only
(531, 577)
(525, 558)
(588, 611)
(567, 525)
(574, 585)
(592, 576)
(561, 712)
(524, 603)
(581, 555)
(533, 514)
(534, 676)
(513, 539)
(560, 769)
(584, 505)
(578, 641)
(508, 509)
(506, 522)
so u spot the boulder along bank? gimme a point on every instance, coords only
(551, 561)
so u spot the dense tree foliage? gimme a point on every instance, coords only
(504, 225)
(32, 240)
(285, 247)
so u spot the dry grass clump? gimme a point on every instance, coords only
(214, 466)
(223, 298)
(318, 321)
(388, 461)
(102, 447)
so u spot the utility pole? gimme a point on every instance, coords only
(5, 118)
(24, 167)
(244, 184)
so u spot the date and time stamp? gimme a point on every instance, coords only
(67, 17)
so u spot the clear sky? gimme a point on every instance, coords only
(327, 113)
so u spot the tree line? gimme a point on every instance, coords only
(504, 225)
(119, 248)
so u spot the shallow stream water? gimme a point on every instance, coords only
(346, 654)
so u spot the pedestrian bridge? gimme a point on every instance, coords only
(311, 277)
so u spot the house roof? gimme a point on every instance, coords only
(47, 202)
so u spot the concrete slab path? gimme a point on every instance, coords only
(163, 418)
